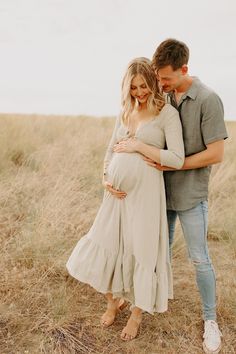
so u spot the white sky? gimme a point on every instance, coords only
(69, 56)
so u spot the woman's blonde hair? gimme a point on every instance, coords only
(156, 100)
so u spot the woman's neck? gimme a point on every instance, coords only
(142, 107)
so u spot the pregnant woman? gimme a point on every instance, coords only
(125, 254)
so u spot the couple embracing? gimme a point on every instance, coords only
(168, 134)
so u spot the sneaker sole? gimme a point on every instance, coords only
(207, 351)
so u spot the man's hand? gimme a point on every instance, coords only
(156, 165)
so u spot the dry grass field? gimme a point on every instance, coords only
(50, 191)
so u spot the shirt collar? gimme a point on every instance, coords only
(193, 89)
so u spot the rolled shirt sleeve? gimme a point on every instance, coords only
(212, 125)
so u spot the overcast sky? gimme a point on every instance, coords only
(69, 56)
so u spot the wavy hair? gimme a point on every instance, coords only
(156, 100)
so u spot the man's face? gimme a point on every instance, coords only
(170, 79)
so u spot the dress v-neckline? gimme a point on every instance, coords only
(140, 125)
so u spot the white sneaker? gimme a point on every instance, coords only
(212, 340)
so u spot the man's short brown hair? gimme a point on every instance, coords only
(170, 52)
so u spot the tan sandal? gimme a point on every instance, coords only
(113, 309)
(130, 331)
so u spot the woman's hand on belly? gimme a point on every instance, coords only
(127, 145)
(116, 193)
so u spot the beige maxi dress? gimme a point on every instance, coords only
(126, 251)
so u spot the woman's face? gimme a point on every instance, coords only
(139, 89)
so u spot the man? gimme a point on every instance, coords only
(201, 114)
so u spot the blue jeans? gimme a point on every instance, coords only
(194, 225)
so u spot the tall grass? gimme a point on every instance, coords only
(222, 197)
(50, 191)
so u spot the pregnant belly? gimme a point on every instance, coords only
(125, 170)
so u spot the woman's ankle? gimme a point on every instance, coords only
(112, 303)
(136, 313)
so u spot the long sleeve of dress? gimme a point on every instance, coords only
(113, 141)
(174, 155)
